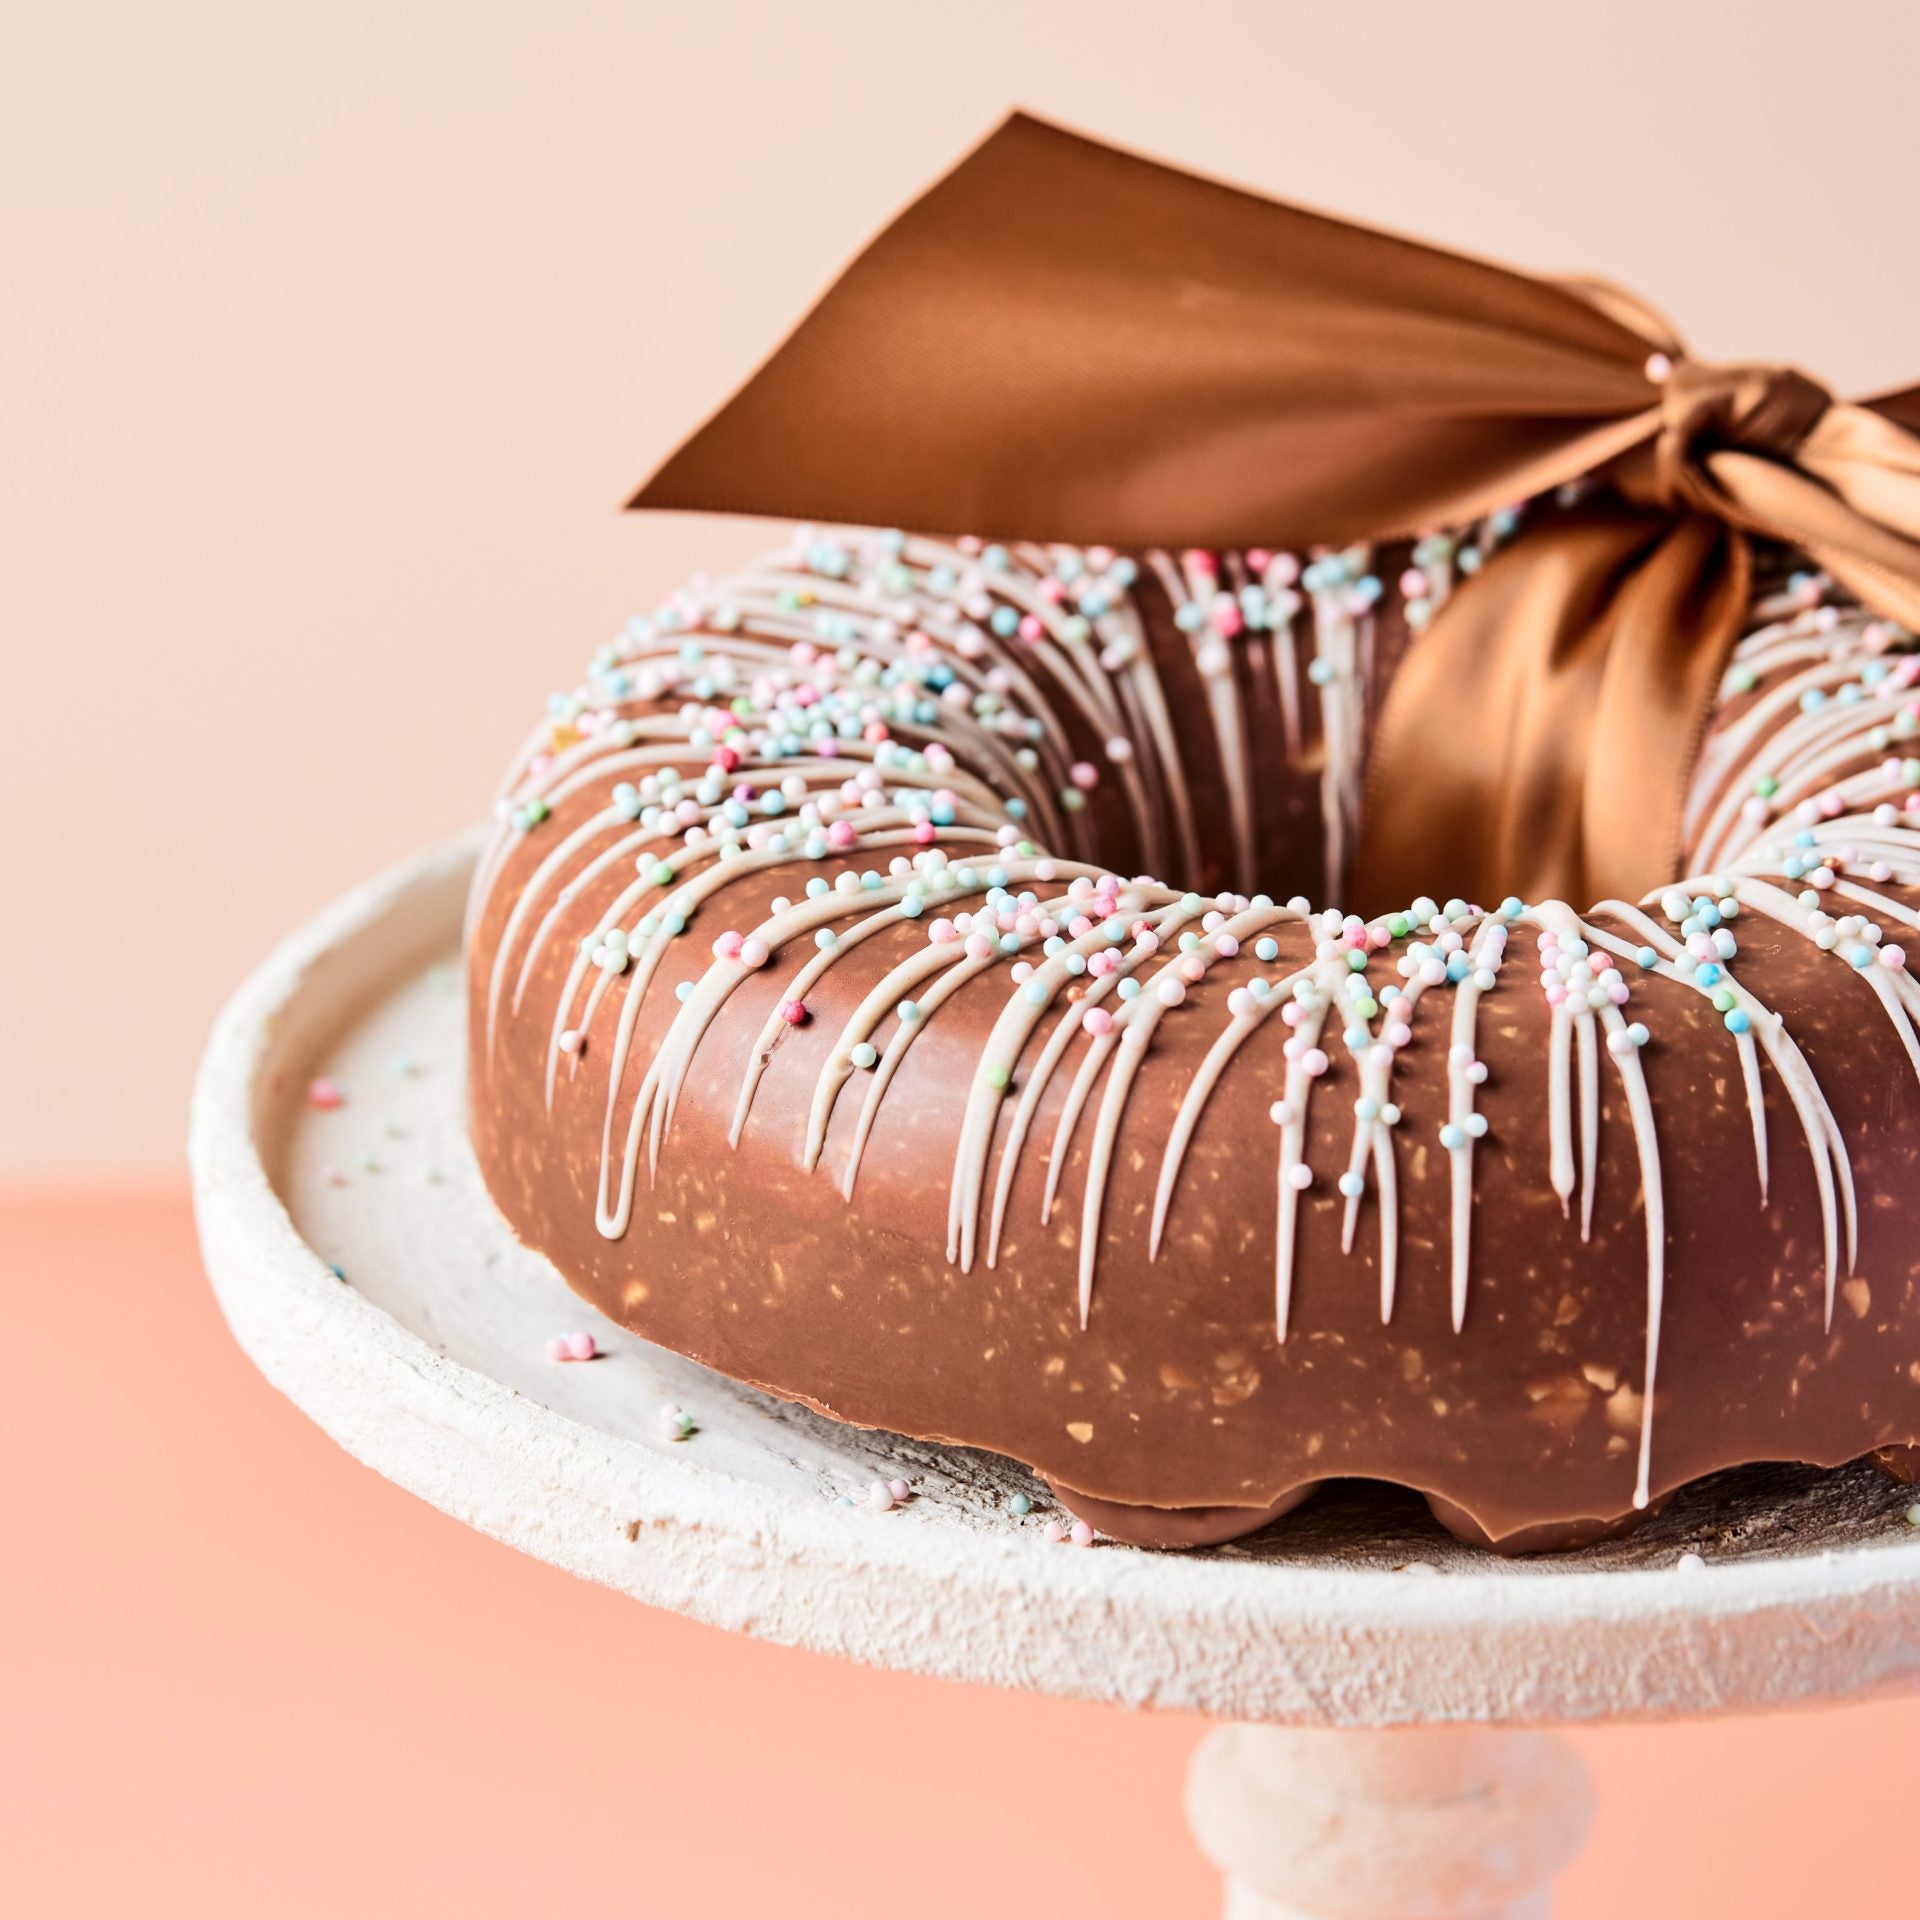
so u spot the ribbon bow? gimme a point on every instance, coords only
(1060, 341)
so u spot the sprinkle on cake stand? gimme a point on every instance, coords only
(1382, 1685)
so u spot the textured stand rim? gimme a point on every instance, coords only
(1307, 1644)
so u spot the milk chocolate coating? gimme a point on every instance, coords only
(1176, 1395)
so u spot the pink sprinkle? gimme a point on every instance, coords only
(1226, 946)
(1097, 1020)
(1193, 969)
(1082, 1534)
(1313, 1063)
(842, 835)
(1054, 1531)
(942, 931)
(754, 952)
(1084, 775)
(727, 947)
(925, 833)
(1052, 591)
(556, 1348)
(1300, 1176)
(898, 1488)
(1032, 629)
(1893, 957)
(325, 1094)
(880, 1497)
(580, 1346)
(1413, 584)
(794, 1012)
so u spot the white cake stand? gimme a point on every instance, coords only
(1378, 1678)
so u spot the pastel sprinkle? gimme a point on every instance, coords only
(325, 1094)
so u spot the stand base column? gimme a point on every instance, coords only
(1419, 1823)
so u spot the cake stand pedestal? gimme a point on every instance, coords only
(1381, 1681)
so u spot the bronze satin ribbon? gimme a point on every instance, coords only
(1060, 341)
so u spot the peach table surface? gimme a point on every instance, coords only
(241, 1674)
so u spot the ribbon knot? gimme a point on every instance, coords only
(1704, 409)
(1060, 341)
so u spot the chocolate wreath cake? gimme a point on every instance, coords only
(826, 1027)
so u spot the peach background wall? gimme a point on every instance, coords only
(333, 335)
